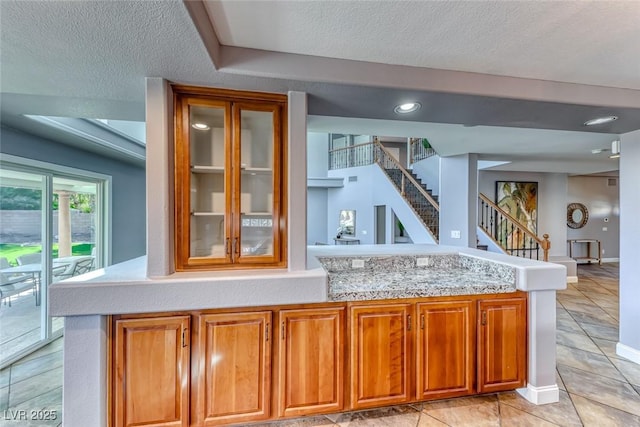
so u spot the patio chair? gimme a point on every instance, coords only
(84, 266)
(74, 268)
(33, 258)
(12, 284)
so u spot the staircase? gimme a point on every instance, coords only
(420, 204)
(411, 188)
(508, 233)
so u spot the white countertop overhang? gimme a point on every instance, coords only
(125, 287)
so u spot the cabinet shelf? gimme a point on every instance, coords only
(256, 213)
(256, 171)
(220, 169)
(207, 213)
(207, 169)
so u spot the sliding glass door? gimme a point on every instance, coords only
(52, 227)
(22, 204)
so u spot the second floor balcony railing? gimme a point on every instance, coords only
(351, 156)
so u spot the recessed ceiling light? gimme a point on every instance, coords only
(408, 107)
(600, 120)
(200, 126)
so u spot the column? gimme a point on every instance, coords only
(629, 344)
(84, 388)
(458, 200)
(541, 376)
(64, 224)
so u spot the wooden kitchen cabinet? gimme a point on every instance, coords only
(311, 361)
(230, 193)
(502, 344)
(445, 348)
(380, 354)
(151, 372)
(231, 368)
(238, 366)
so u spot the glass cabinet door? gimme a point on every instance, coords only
(255, 130)
(229, 166)
(208, 230)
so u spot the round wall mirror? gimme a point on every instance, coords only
(577, 215)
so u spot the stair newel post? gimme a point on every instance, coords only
(546, 245)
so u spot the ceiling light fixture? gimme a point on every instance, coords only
(600, 120)
(408, 107)
(200, 126)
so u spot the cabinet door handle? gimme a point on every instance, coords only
(282, 332)
(184, 337)
(228, 246)
(236, 247)
(408, 322)
(422, 321)
(266, 332)
(484, 318)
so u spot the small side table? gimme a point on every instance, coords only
(588, 257)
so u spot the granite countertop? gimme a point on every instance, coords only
(391, 277)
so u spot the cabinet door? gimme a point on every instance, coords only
(380, 354)
(151, 381)
(203, 182)
(502, 344)
(257, 196)
(311, 355)
(445, 349)
(232, 368)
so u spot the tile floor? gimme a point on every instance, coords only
(34, 383)
(598, 388)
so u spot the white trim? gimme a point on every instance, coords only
(610, 259)
(540, 395)
(58, 124)
(628, 352)
(46, 239)
(572, 279)
(49, 167)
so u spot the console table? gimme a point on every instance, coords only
(588, 257)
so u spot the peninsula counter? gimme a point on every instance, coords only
(124, 289)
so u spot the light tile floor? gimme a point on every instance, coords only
(598, 388)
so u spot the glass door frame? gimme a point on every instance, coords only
(48, 172)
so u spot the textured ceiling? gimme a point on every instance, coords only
(595, 42)
(90, 58)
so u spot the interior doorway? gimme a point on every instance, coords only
(380, 213)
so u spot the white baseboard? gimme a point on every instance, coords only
(541, 395)
(572, 279)
(628, 352)
(603, 260)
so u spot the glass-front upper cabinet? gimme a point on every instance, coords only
(229, 188)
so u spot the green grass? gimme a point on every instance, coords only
(11, 251)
